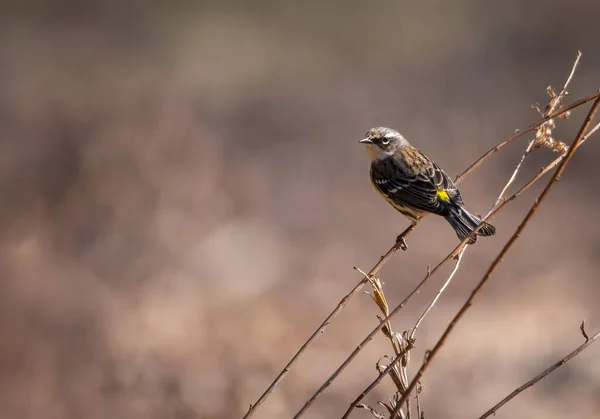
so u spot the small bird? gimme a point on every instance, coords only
(415, 185)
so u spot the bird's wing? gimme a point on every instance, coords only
(421, 191)
(443, 182)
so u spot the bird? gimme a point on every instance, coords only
(415, 185)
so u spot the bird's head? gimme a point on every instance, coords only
(382, 142)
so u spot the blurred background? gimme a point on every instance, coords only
(183, 198)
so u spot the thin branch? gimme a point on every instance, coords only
(419, 411)
(503, 252)
(358, 287)
(583, 332)
(372, 411)
(533, 381)
(439, 293)
(564, 89)
(592, 131)
(376, 382)
(553, 104)
(515, 172)
(520, 133)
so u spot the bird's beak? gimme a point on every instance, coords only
(366, 141)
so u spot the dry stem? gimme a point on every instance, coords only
(439, 293)
(520, 133)
(376, 382)
(564, 360)
(545, 129)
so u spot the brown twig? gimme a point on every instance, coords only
(583, 332)
(438, 294)
(545, 129)
(520, 133)
(500, 257)
(546, 372)
(358, 287)
(372, 411)
(376, 382)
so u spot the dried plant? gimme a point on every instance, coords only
(406, 396)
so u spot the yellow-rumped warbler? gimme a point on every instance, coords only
(415, 185)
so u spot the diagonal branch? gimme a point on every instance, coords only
(546, 372)
(545, 129)
(520, 133)
(461, 252)
(376, 382)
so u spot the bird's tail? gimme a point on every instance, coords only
(463, 222)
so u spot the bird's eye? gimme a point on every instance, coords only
(385, 141)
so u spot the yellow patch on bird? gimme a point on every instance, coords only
(442, 195)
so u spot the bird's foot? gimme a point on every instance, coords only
(401, 241)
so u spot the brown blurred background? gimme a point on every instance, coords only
(182, 200)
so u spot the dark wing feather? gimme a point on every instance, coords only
(443, 182)
(417, 191)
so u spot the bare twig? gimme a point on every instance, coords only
(501, 255)
(548, 371)
(419, 390)
(591, 132)
(520, 133)
(545, 129)
(583, 332)
(564, 89)
(375, 383)
(372, 411)
(438, 294)
(358, 287)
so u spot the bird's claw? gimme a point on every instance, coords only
(402, 242)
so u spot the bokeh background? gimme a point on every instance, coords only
(182, 200)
